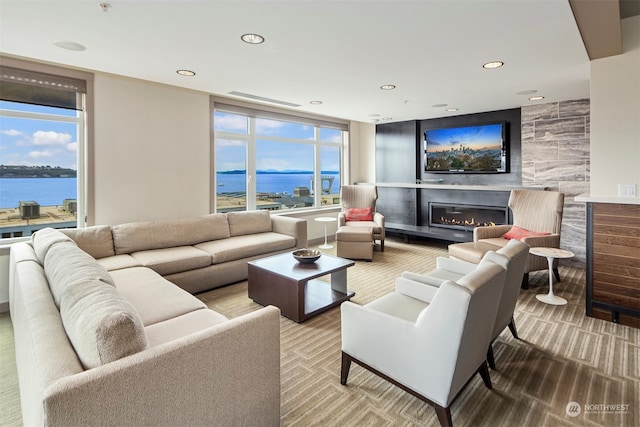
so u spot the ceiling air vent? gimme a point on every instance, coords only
(263, 99)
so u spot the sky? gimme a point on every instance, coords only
(284, 154)
(29, 142)
(476, 137)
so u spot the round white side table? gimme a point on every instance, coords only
(325, 220)
(551, 254)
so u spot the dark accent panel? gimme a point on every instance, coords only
(396, 152)
(397, 205)
(512, 119)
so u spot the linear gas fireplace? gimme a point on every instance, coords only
(466, 217)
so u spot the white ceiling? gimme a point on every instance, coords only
(338, 52)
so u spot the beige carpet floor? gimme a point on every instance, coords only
(562, 357)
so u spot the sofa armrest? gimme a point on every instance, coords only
(548, 241)
(490, 232)
(228, 374)
(294, 227)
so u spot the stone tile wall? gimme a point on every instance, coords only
(555, 154)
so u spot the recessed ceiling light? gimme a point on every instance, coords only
(374, 115)
(187, 73)
(69, 45)
(451, 110)
(536, 98)
(315, 102)
(387, 118)
(252, 38)
(439, 105)
(388, 87)
(493, 64)
(526, 92)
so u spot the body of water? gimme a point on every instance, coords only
(271, 183)
(52, 191)
(45, 191)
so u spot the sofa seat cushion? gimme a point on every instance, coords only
(375, 228)
(169, 330)
(173, 260)
(118, 262)
(239, 247)
(101, 325)
(496, 241)
(155, 298)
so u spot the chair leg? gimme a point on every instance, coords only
(344, 371)
(512, 328)
(525, 281)
(484, 373)
(556, 273)
(444, 416)
(490, 358)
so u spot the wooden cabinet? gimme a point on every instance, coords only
(613, 262)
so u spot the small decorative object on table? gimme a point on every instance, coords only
(307, 256)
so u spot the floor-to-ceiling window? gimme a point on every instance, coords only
(42, 151)
(266, 160)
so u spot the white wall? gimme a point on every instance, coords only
(615, 116)
(363, 152)
(151, 151)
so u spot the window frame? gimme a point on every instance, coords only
(85, 172)
(254, 111)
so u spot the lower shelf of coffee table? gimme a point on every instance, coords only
(319, 297)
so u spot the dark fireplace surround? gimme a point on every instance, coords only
(466, 217)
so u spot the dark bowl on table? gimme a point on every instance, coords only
(307, 256)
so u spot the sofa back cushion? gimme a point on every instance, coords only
(249, 222)
(101, 325)
(139, 236)
(44, 239)
(97, 241)
(66, 264)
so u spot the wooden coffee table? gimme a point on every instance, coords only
(293, 287)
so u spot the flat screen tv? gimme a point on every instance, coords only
(478, 148)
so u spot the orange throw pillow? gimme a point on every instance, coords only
(359, 214)
(521, 233)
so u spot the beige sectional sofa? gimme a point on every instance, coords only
(113, 342)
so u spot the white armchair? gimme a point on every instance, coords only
(512, 257)
(428, 341)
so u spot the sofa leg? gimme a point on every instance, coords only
(381, 245)
(490, 359)
(344, 371)
(525, 281)
(512, 328)
(556, 273)
(484, 373)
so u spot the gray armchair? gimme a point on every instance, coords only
(362, 196)
(428, 341)
(533, 210)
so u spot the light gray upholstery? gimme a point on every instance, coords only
(362, 196)
(199, 368)
(512, 257)
(428, 344)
